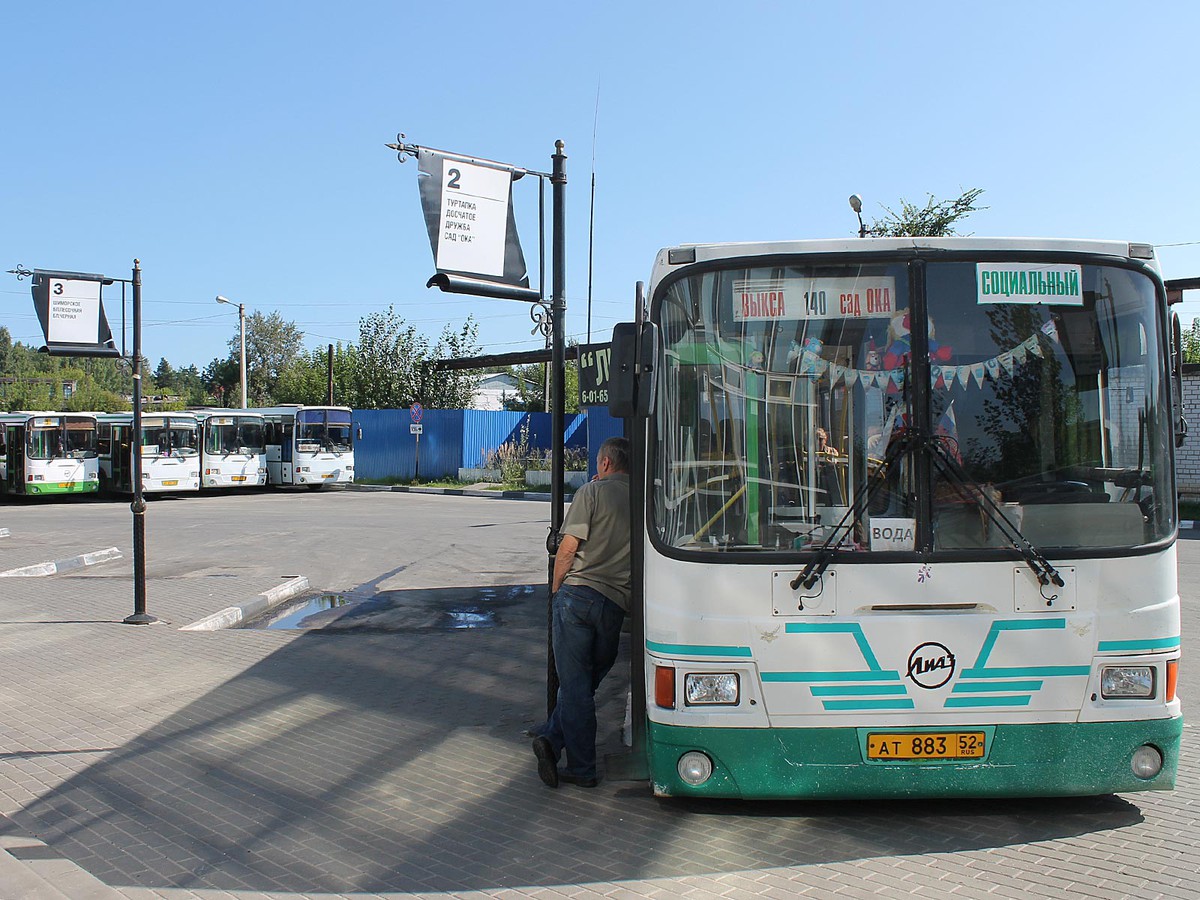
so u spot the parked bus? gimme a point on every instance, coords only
(48, 453)
(232, 448)
(905, 518)
(170, 448)
(309, 445)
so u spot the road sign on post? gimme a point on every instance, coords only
(71, 312)
(594, 362)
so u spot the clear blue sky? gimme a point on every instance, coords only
(237, 148)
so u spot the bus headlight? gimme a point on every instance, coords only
(1147, 761)
(716, 688)
(694, 768)
(1130, 682)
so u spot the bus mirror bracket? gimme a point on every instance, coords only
(1181, 425)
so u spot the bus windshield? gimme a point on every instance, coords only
(67, 437)
(170, 438)
(323, 429)
(788, 394)
(230, 434)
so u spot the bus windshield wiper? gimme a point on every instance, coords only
(862, 500)
(971, 490)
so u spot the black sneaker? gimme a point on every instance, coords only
(547, 761)
(577, 780)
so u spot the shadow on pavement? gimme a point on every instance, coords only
(394, 761)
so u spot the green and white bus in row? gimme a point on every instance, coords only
(44, 453)
(905, 518)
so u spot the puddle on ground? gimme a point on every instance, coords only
(419, 611)
(305, 612)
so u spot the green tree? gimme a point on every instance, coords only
(531, 387)
(222, 381)
(272, 345)
(1191, 343)
(307, 380)
(935, 219)
(393, 364)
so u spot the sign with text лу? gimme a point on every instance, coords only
(71, 314)
(594, 371)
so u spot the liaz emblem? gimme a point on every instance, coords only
(930, 665)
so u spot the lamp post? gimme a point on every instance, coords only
(856, 205)
(242, 329)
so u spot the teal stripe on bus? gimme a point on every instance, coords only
(1157, 644)
(699, 650)
(854, 629)
(1027, 672)
(856, 690)
(880, 675)
(960, 702)
(903, 703)
(1013, 625)
(979, 687)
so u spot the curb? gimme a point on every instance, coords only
(463, 492)
(467, 492)
(63, 565)
(233, 615)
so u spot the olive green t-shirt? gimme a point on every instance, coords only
(599, 518)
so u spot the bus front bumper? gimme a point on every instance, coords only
(1045, 760)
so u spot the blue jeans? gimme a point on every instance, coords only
(586, 635)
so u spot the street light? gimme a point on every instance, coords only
(856, 205)
(242, 329)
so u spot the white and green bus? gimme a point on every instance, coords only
(48, 453)
(170, 448)
(308, 445)
(905, 518)
(233, 451)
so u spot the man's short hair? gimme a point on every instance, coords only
(617, 451)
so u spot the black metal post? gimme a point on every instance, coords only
(139, 617)
(558, 394)
(329, 368)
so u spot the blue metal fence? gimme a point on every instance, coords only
(451, 438)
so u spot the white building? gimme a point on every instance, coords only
(493, 390)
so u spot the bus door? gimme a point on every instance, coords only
(285, 447)
(122, 458)
(16, 459)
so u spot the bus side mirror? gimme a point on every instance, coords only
(631, 391)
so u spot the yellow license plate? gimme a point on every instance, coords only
(925, 745)
(327, 475)
(171, 483)
(239, 478)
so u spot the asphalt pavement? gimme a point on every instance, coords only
(154, 761)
